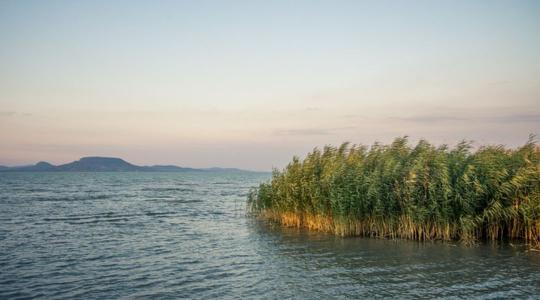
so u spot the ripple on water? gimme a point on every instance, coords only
(185, 235)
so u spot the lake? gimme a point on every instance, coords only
(186, 235)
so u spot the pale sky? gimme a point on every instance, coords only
(249, 84)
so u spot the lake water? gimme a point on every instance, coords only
(185, 235)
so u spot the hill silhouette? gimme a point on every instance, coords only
(106, 164)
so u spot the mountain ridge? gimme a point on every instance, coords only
(108, 164)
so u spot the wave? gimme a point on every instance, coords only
(174, 200)
(75, 197)
(106, 217)
(167, 189)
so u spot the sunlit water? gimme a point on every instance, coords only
(185, 235)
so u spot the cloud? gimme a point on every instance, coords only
(9, 114)
(496, 118)
(517, 118)
(307, 131)
(431, 119)
(6, 114)
(311, 131)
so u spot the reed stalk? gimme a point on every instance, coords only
(398, 191)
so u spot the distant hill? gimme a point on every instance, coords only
(40, 166)
(107, 164)
(99, 164)
(43, 166)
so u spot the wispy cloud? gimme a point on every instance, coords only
(6, 114)
(311, 131)
(9, 114)
(517, 118)
(307, 131)
(431, 119)
(497, 118)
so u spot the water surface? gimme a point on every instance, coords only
(185, 235)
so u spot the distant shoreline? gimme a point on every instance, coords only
(111, 164)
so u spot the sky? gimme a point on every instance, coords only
(249, 84)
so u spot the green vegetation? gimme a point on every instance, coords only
(396, 191)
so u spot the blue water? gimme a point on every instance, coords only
(185, 235)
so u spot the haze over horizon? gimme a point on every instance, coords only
(249, 84)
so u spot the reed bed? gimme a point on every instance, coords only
(423, 192)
